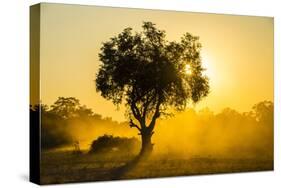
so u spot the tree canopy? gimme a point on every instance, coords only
(68, 107)
(148, 72)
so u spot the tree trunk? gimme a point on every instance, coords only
(147, 146)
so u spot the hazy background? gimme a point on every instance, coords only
(237, 52)
(227, 134)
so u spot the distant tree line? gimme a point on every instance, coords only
(248, 130)
(229, 132)
(56, 121)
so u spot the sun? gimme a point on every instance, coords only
(212, 71)
(207, 64)
(188, 69)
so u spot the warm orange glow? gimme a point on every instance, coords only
(223, 132)
(188, 69)
(237, 62)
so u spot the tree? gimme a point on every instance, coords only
(69, 107)
(151, 76)
(53, 127)
(263, 112)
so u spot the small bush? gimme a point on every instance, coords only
(111, 144)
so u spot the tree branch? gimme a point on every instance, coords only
(155, 115)
(132, 124)
(146, 105)
(136, 111)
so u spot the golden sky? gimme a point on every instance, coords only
(237, 52)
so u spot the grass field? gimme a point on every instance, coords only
(63, 167)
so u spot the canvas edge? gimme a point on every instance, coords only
(34, 121)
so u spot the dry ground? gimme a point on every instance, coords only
(64, 167)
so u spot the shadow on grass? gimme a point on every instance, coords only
(119, 172)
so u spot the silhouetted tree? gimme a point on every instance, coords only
(150, 75)
(263, 112)
(55, 121)
(69, 107)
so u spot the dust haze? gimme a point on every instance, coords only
(188, 134)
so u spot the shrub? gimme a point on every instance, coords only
(111, 144)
